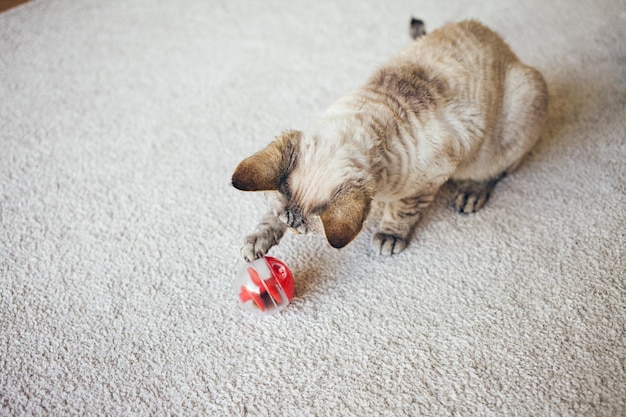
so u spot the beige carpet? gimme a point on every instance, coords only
(120, 125)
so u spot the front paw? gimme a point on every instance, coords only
(255, 247)
(388, 244)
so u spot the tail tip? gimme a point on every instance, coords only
(417, 28)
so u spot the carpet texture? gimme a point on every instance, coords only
(120, 125)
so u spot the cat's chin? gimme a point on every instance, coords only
(313, 226)
(300, 230)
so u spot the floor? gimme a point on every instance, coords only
(7, 4)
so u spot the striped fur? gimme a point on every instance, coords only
(457, 105)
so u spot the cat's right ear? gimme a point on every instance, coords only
(265, 170)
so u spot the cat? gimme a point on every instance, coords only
(456, 105)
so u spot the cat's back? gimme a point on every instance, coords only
(471, 39)
(460, 54)
(463, 42)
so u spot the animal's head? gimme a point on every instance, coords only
(310, 182)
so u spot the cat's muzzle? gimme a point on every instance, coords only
(294, 219)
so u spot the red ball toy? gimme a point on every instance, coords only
(265, 285)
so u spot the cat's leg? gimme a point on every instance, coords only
(524, 112)
(397, 224)
(267, 234)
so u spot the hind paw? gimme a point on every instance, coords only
(470, 201)
(472, 195)
(388, 244)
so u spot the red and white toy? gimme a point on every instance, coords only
(265, 285)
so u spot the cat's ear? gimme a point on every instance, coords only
(264, 170)
(343, 218)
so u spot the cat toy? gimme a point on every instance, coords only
(265, 285)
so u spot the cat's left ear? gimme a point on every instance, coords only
(264, 170)
(343, 218)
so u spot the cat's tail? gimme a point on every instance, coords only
(417, 28)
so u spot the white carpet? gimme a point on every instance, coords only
(120, 125)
